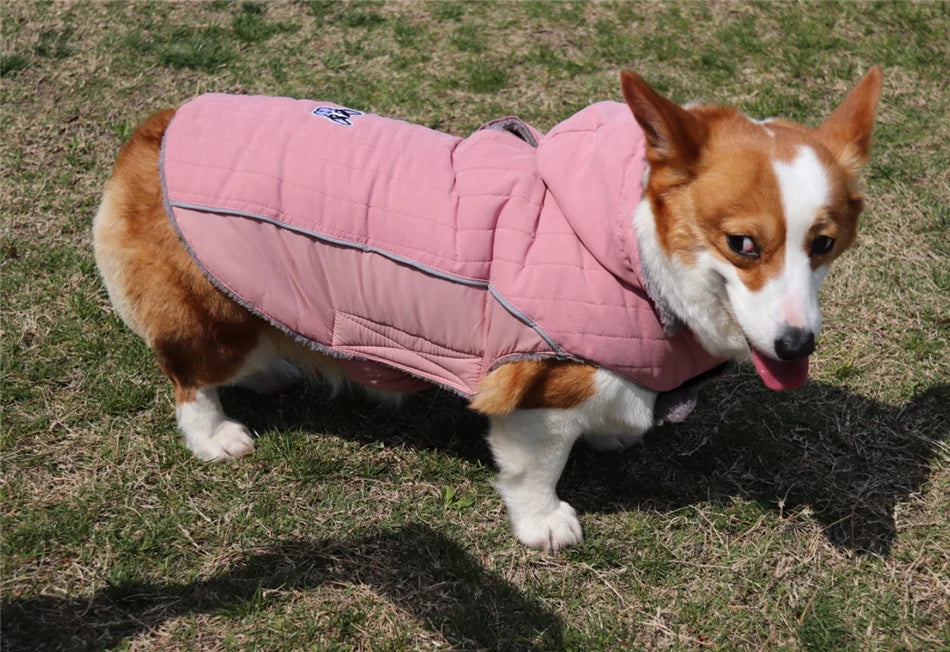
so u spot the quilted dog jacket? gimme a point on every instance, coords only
(418, 257)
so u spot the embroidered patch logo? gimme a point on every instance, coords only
(338, 115)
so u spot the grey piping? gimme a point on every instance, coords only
(326, 238)
(297, 337)
(352, 245)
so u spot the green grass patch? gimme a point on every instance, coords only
(47, 530)
(447, 10)
(249, 25)
(485, 76)
(55, 45)
(205, 48)
(11, 64)
(822, 627)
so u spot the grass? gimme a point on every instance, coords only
(818, 519)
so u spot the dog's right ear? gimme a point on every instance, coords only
(674, 136)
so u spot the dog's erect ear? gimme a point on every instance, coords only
(674, 136)
(847, 131)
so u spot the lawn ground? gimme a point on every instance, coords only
(815, 519)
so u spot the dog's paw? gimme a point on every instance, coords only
(606, 443)
(230, 441)
(551, 532)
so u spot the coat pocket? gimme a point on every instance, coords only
(413, 353)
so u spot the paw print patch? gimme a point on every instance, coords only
(340, 116)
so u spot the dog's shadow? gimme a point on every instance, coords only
(847, 458)
(416, 567)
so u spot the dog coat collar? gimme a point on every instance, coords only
(413, 255)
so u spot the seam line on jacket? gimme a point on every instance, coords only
(386, 254)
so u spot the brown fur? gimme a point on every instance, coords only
(200, 336)
(712, 175)
(847, 131)
(529, 384)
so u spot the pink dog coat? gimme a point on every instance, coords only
(418, 257)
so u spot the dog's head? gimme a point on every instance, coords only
(742, 219)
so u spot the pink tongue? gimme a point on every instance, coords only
(780, 374)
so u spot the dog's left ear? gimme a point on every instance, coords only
(847, 131)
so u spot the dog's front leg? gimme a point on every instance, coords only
(531, 448)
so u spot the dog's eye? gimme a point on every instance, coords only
(743, 245)
(822, 245)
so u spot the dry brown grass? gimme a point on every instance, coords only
(817, 519)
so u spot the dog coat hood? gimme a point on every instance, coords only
(416, 257)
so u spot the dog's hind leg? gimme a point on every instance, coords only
(242, 351)
(198, 360)
(531, 448)
(201, 338)
(209, 434)
(270, 381)
(268, 368)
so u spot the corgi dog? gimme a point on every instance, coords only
(252, 241)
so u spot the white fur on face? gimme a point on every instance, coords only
(791, 297)
(692, 292)
(697, 292)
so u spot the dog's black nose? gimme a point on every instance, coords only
(794, 343)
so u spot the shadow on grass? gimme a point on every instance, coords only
(419, 569)
(847, 458)
(430, 420)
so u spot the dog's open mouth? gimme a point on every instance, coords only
(780, 374)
